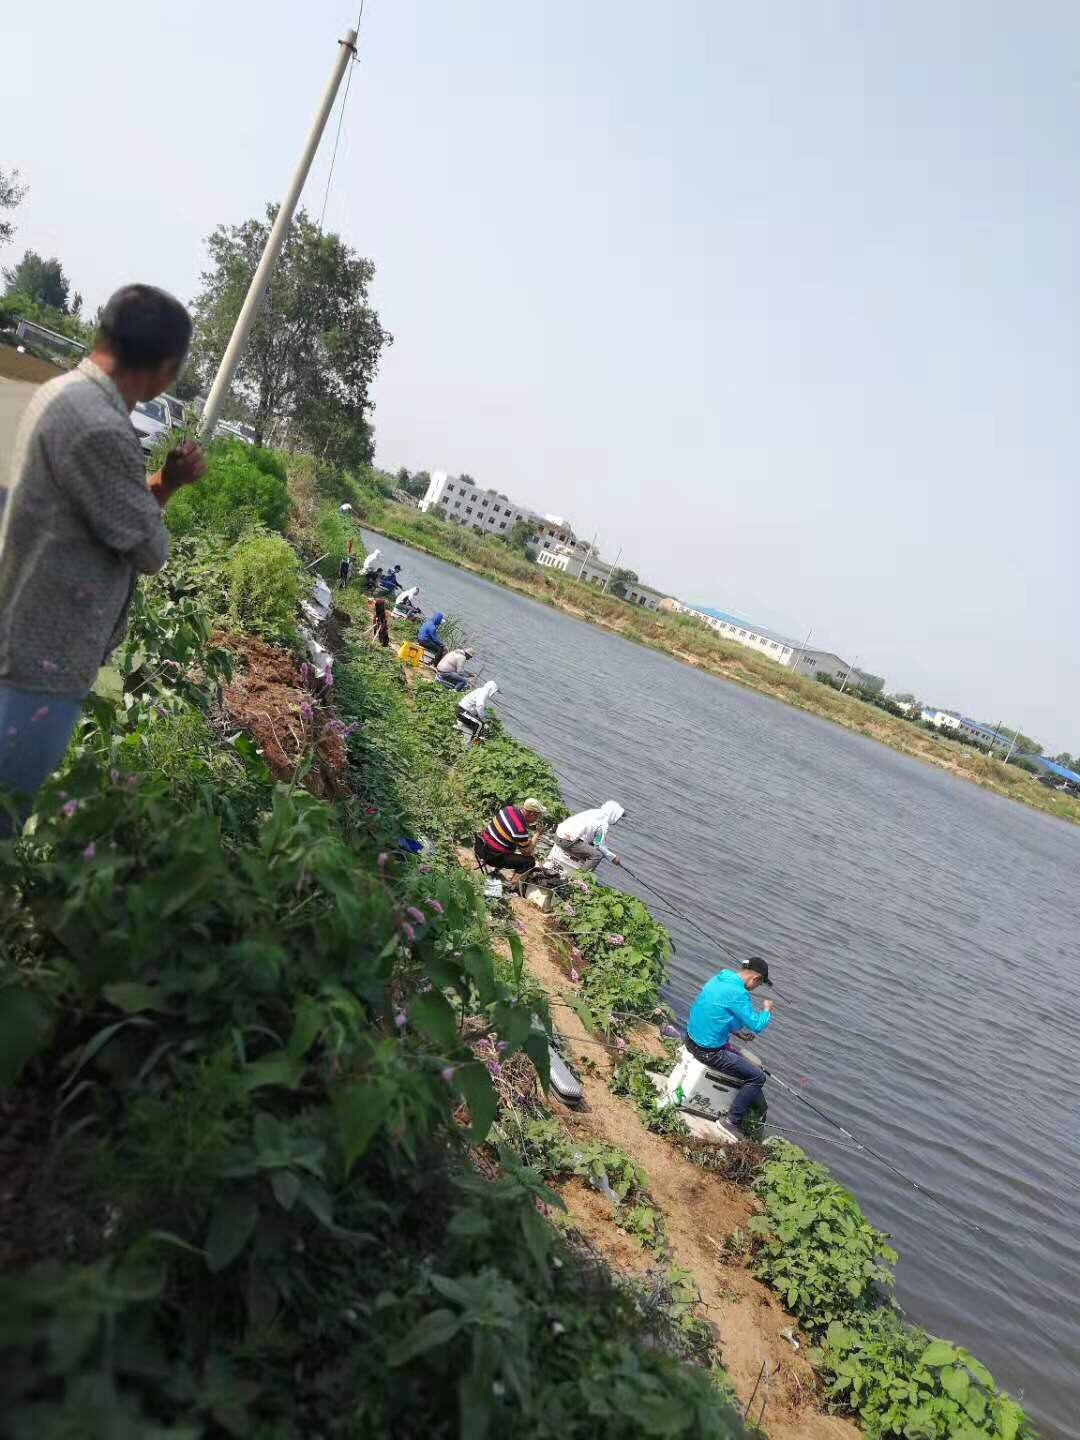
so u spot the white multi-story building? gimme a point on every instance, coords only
(486, 511)
(781, 648)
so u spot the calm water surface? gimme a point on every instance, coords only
(924, 936)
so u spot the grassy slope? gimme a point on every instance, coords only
(691, 642)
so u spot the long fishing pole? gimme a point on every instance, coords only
(869, 1150)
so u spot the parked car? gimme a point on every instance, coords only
(151, 419)
(235, 431)
(177, 411)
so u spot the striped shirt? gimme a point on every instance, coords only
(507, 830)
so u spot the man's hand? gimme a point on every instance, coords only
(767, 1005)
(615, 860)
(184, 464)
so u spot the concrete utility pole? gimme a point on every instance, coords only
(588, 554)
(612, 570)
(847, 677)
(276, 239)
(802, 649)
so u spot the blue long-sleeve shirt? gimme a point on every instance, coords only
(723, 1005)
(429, 630)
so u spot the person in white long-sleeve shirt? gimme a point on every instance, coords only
(581, 837)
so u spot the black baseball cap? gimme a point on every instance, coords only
(759, 967)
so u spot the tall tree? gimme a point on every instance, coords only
(42, 281)
(11, 194)
(314, 349)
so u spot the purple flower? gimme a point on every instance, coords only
(620, 1043)
(88, 853)
(305, 671)
(69, 808)
(501, 1046)
(434, 906)
(383, 858)
(39, 714)
(494, 1068)
(305, 710)
(616, 940)
(401, 1019)
(162, 711)
(408, 931)
(575, 953)
(671, 1031)
(114, 775)
(574, 976)
(447, 1075)
(415, 914)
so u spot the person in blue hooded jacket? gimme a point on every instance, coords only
(723, 1005)
(428, 635)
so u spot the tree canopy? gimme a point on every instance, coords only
(314, 349)
(11, 194)
(40, 280)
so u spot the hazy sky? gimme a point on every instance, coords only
(782, 298)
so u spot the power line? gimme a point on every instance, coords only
(341, 117)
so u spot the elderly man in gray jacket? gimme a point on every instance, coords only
(81, 523)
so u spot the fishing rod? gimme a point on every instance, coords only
(862, 1147)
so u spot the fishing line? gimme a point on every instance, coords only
(869, 1150)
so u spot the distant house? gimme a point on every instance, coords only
(801, 658)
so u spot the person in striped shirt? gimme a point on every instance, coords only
(507, 841)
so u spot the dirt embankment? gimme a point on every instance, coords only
(700, 1210)
(14, 366)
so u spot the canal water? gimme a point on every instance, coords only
(924, 936)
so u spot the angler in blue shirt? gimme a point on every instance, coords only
(723, 1005)
(428, 635)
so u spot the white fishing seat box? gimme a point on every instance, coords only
(696, 1089)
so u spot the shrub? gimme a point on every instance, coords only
(502, 771)
(264, 587)
(243, 486)
(826, 1260)
(903, 1384)
(625, 950)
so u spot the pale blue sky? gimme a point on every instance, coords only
(781, 297)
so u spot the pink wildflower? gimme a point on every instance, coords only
(401, 1019)
(576, 953)
(408, 931)
(671, 1031)
(447, 1075)
(383, 858)
(88, 853)
(305, 710)
(620, 1043)
(39, 714)
(494, 1068)
(500, 1047)
(69, 808)
(415, 914)
(434, 906)
(616, 940)
(574, 976)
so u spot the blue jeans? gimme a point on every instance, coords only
(35, 728)
(730, 1062)
(452, 682)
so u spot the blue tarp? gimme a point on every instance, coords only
(1055, 768)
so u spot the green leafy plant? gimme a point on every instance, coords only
(631, 1076)
(243, 486)
(264, 587)
(502, 771)
(906, 1386)
(816, 1248)
(621, 950)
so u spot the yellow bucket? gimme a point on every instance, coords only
(410, 652)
